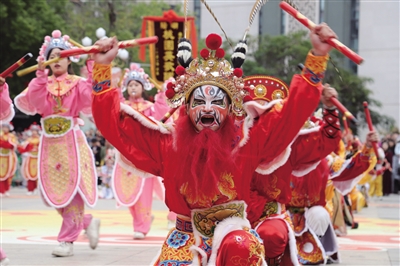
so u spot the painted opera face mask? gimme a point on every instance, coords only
(208, 107)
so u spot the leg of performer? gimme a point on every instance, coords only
(3, 258)
(92, 228)
(371, 190)
(74, 220)
(274, 233)
(31, 185)
(240, 247)
(141, 211)
(71, 227)
(379, 186)
(3, 187)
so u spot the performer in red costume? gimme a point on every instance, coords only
(271, 188)
(315, 238)
(206, 171)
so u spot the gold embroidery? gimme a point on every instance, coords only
(77, 217)
(270, 187)
(86, 167)
(128, 182)
(315, 256)
(205, 220)
(182, 253)
(194, 199)
(57, 168)
(56, 125)
(316, 64)
(62, 88)
(227, 186)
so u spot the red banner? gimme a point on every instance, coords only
(169, 29)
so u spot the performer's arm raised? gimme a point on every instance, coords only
(37, 89)
(137, 137)
(305, 91)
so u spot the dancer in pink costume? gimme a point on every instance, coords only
(8, 157)
(66, 171)
(29, 150)
(130, 190)
(6, 114)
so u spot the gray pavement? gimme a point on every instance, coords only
(29, 230)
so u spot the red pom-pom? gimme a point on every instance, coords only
(180, 70)
(170, 86)
(220, 53)
(170, 93)
(213, 41)
(238, 72)
(247, 98)
(205, 53)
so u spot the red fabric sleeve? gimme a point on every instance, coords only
(275, 130)
(6, 145)
(141, 145)
(312, 148)
(358, 164)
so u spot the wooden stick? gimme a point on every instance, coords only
(371, 128)
(311, 25)
(16, 65)
(28, 70)
(168, 114)
(77, 44)
(343, 109)
(95, 49)
(89, 50)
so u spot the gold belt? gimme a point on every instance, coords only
(57, 125)
(205, 220)
(4, 151)
(272, 209)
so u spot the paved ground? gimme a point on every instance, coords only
(29, 230)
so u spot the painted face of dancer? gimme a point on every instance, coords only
(135, 89)
(208, 107)
(35, 133)
(61, 67)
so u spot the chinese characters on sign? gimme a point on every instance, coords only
(169, 29)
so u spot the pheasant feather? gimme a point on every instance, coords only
(254, 11)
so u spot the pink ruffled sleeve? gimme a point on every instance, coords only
(6, 107)
(85, 87)
(5, 100)
(160, 106)
(37, 91)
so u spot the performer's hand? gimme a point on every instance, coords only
(318, 36)
(41, 65)
(109, 49)
(372, 136)
(327, 93)
(2, 81)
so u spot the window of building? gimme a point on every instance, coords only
(354, 26)
(197, 14)
(321, 11)
(283, 22)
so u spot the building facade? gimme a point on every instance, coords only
(371, 28)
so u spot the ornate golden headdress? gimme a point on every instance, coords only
(211, 69)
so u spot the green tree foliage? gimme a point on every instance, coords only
(24, 23)
(119, 18)
(279, 56)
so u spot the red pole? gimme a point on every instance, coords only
(371, 128)
(332, 42)
(16, 65)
